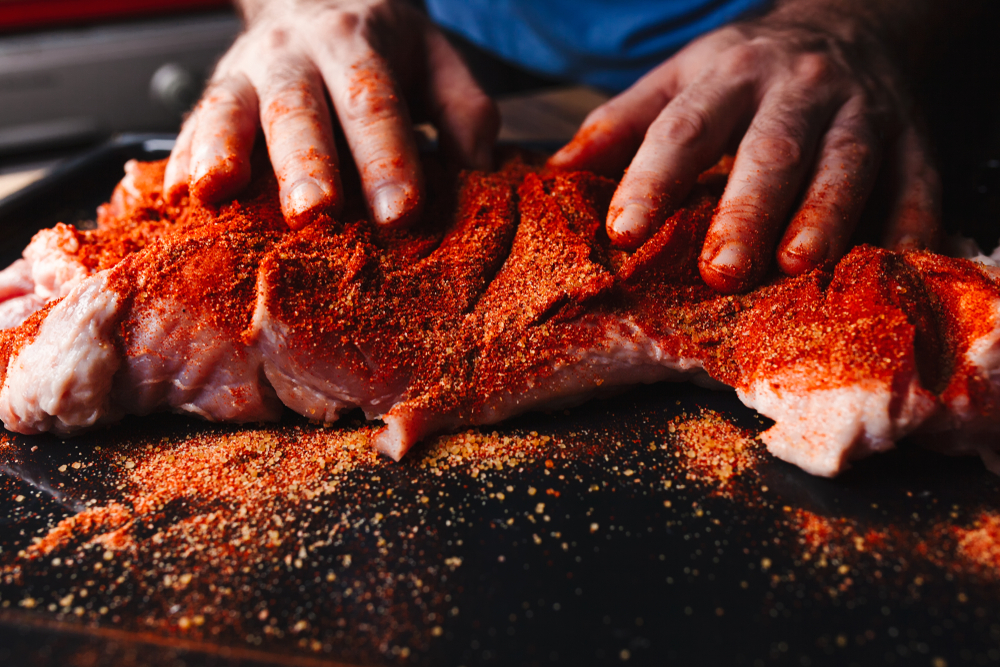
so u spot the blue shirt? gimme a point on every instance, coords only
(604, 43)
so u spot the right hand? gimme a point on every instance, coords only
(366, 54)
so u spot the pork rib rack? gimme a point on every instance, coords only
(507, 298)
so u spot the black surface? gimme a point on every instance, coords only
(683, 574)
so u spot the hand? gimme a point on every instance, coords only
(815, 115)
(371, 57)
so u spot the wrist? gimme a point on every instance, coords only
(898, 29)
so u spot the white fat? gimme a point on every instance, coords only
(55, 269)
(984, 354)
(822, 430)
(61, 380)
(16, 280)
(16, 310)
(403, 429)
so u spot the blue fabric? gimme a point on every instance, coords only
(604, 43)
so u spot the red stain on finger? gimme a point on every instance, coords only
(372, 89)
(584, 146)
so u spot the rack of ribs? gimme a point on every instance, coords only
(506, 298)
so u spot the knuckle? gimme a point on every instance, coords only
(289, 95)
(276, 38)
(739, 61)
(232, 93)
(815, 69)
(279, 117)
(340, 24)
(777, 150)
(681, 127)
(473, 105)
(855, 143)
(598, 116)
(382, 164)
(370, 98)
(305, 159)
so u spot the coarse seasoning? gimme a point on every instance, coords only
(201, 523)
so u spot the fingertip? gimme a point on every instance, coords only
(587, 147)
(215, 181)
(395, 205)
(729, 269)
(628, 227)
(804, 251)
(306, 199)
(175, 183)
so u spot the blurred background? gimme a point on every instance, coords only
(74, 72)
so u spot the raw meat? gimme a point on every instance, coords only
(506, 298)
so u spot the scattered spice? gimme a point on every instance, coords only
(208, 520)
(980, 544)
(713, 449)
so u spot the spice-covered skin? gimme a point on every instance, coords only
(815, 94)
(379, 61)
(510, 298)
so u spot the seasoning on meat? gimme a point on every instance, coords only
(507, 298)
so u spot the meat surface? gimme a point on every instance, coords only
(507, 298)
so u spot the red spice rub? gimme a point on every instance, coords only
(484, 298)
(389, 299)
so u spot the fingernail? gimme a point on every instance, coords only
(732, 260)
(629, 227)
(809, 244)
(391, 202)
(305, 196)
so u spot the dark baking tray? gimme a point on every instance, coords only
(680, 574)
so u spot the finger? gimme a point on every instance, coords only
(612, 133)
(915, 217)
(466, 117)
(176, 174)
(223, 139)
(376, 124)
(685, 139)
(769, 168)
(846, 170)
(300, 143)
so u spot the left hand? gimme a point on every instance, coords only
(815, 115)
